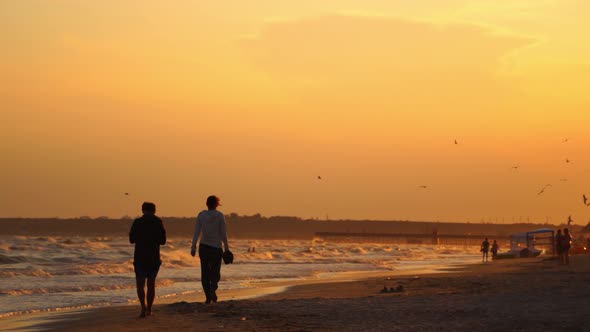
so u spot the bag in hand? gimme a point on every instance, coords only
(228, 257)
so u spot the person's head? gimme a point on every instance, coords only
(148, 208)
(486, 238)
(212, 202)
(494, 241)
(566, 231)
(559, 231)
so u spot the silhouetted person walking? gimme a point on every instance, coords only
(485, 248)
(559, 245)
(147, 233)
(210, 226)
(566, 244)
(495, 248)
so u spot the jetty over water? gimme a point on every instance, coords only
(401, 238)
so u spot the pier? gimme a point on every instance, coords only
(400, 238)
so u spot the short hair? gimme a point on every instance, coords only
(148, 207)
(212, 202)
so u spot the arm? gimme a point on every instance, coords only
(196, 236)
(198, 227)
(162, 233)
(132, 233)
(224, 233)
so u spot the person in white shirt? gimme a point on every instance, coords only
(210, 226)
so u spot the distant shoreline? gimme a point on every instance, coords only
(260, 227)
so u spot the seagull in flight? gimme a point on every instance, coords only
(319, 177)
(456, 143)
(423, 187)
(126, 194)
(543, 189)
(585, 199)
(515, 167)
(565, 140)
(567, 160)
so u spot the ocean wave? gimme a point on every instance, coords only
(72, 289)
(27, 247)
(64, 308)
(12, 259)
(24, 272)
(98, 268)
(48, 239)
(177, 258)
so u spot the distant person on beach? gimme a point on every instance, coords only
(566, 244)
(495, 248)
(147, 233)
(485, 248)
(210, 226)
(558, 246)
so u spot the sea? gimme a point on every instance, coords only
(42, 274)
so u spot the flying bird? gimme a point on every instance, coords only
(563, 180)
(565, 140)
(456, 142)
(126, 194)
(567, 160)
(319, 177)
(515, 167)
(585, 199)
(543, 189)
(423, 187)
(569, 220)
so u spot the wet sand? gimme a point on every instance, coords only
(512, 295)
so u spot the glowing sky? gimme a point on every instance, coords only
(252, 100)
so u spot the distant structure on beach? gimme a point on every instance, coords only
(400, 238)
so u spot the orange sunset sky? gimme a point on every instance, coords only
(253, 100)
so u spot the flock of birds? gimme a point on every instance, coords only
(585, 199)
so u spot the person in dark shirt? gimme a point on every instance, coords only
(485, 248)
(495, 248)
(147, 233)
(566, 244)
(558, 245)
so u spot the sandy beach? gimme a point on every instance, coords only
(512, 295)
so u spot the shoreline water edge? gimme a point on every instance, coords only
(528, 294)
(49, 274)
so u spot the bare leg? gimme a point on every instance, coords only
(141, 294)
(151, 294)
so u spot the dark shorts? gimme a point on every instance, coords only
(145, 271)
